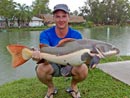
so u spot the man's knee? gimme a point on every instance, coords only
(81, 71)
(42, 69)
(84, 69)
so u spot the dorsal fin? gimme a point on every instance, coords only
(64, 41)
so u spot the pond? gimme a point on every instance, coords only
(118, 36)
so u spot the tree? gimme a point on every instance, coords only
(75, 12)
(40, 7)
(117, 10)
(112, 11)
(23, 13)
(7, 10)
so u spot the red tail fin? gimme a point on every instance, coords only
(16, 52)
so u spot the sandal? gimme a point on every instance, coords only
(73, 93)
(52, 94)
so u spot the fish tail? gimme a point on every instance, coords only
(20, 54)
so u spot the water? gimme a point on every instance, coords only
(7, 72)
(120, 37)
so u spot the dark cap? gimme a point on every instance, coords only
(63, 7)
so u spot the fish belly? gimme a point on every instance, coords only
(75, 58)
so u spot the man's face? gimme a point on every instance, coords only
(61, 19)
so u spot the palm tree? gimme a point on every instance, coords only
(23, 14)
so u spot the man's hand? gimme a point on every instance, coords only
(36, 55)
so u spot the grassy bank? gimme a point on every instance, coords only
(97, 85)
(34, 28)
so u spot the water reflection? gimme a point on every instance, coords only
(108, 34)
(118, 36)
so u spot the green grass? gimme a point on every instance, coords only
(115, 59)
(97, 85)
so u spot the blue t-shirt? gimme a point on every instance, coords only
(50, 38)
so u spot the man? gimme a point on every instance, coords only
(51, 37)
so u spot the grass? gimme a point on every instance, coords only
(97, 85)
(114, 59)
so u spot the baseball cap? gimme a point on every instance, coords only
(63, 7)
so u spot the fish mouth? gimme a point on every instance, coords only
(118, 51)
(113, 51)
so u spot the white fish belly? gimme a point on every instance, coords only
(76, 58)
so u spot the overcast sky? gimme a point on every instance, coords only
(73, 4)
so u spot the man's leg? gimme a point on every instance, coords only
(44, 73)
(79, 74)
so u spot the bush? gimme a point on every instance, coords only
(89, 24)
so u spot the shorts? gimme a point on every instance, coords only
(60, 70)
(57, 69)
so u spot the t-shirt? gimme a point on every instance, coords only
(50, 38)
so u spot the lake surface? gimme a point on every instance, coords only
(118, 36)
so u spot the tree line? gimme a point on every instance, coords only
(96, 11)
(106, 11)
(11, 11)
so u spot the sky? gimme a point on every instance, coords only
(72, 4)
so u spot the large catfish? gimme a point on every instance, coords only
(68, 51)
